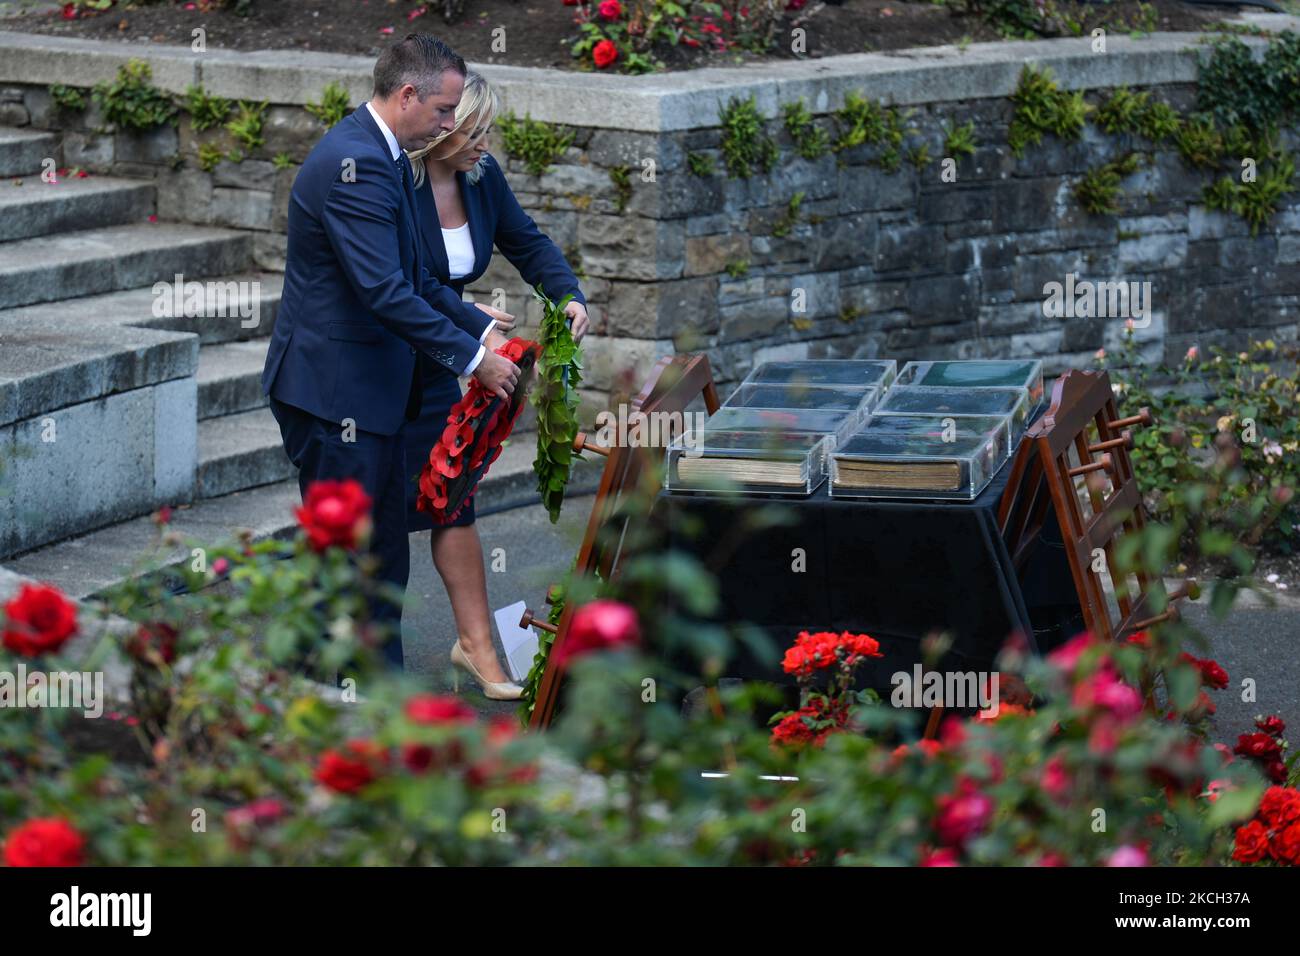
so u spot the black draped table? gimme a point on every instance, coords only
(897, 570)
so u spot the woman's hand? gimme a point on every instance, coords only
(578, 313)
(505, 321)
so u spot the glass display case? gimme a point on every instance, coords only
(1011, 403)
(920, 456)
(859, 373)
(979, 373)
(758, 461)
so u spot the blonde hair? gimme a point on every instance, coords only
(479, 105)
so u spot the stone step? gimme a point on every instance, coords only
(230, 377)
(22, 151)
(230, 308)
(38, 208)
(83, 263)
(86, 566)
(240, 451)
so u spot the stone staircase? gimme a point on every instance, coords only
(161, 405)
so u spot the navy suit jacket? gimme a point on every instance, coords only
(495, 216)
(358, 298)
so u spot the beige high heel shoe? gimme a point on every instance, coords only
(498, 690)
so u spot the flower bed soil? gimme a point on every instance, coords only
(540, 32)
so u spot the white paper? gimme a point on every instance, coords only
(520, 643)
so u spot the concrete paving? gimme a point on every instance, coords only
(537, 554)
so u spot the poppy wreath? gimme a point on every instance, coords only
(471, 440)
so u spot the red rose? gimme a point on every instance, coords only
(69, 11)
(962, 815)
(1280, 806)
(1257, 745)
(1274, 726)
(1066, 657)
(1055, 780)
(335, 514)
(1285, 846)
(611, 9)
(1251, 843)
(153, 639)
(38, 620)
(604, 53)
(352, 769)
(944, 856)
(417, 758)
(1107, 692)
(1212, 674)
(860, 645)
(51, 841)
(434, 709)
(258, 813)
(600, 626)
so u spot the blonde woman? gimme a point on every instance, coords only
(465, 207)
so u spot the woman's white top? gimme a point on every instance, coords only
(460, 251)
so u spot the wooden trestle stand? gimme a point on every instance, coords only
(1074, 459)
(674, 384)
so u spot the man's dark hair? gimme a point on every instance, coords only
(418, 59)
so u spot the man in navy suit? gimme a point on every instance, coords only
(359, 303)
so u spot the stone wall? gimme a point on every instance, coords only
(898, 264)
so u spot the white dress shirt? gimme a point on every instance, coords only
(395, 151)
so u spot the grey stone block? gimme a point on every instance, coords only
(241, 208)
(14, 114)
(175, 438)
(185, 195)
(631, 247)
(709, 255)
(250, 174)
(95, 151)
(270, 250)
(23, 152)
(77, 468)
(156, 146)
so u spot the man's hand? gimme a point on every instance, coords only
(578, 313)
(498, 374)
(505, 321)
